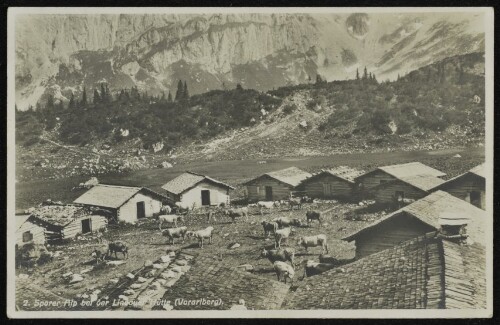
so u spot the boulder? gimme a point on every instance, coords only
(157, 266)
(68, 274)
(75, 278)
(247, 267)
(234, 246)
(114, 280)
(129, 292)
(135, 285)
(130, 276)
(148, 263)
(166, 164)
(165, 259)
(141, 279)
(181, 262)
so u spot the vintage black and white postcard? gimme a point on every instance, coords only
(250, 162)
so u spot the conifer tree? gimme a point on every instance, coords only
(169, 97)
(365, 74)
(357, 74)
(84, 97)
(180, 90)
(185, 93)
(97, 98)
(71, 104)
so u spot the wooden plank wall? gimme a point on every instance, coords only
(385, 193)
(339, 188)
(280, 191)
(390, 233)
(462, 187)
(37, 231)
(374, 179)
(75, 227)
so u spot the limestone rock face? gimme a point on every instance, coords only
(60, 54)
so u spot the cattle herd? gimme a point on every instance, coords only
(280, 229)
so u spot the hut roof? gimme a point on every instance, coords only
(292, 176)
(59, 215)
(345, 173)
(188, 180)
(21, 219)
(411, 169)
(223, 280)
(110, 196)
(421, 182)
(424, 272)
(431, 209)
(478, 170)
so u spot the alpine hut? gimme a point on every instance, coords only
(123, 203)
(28, 231)
(399, 184)
(195, 190)
(276, 185)
(416, 219)
(470, 186)
(332, 183)
(65, 221)
(425, 272)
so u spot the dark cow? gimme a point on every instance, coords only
(117, 247)
(98, 255)
(295, 202)
(284, 222)
(273, 255)
(269, 227)
(313, 215)
(237, 213)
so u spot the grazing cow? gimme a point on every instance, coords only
(286, 222)
(237, 213)
(269, 227)
(169, 219)
(284, 271)
(201, 235)
(182, 208)
(314, 241)
(268, 205)
(295, 202)
(280, 235)
(98, 255)
(283, 255)
(313, 215)
(117, 247)
(166, 209)
(314, 268)
(173, 233)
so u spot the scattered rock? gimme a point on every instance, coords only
(141, 279)
(76, 278)
(181, 262)
(115, 263)
(129, 292)
(157, 266)
(457, 156)
(148, 263)
(247, 267)
(130, 276)
(165, 259)
(23, 276)
(234, 246)
(114, 281)
(135, 285)
(87, 270)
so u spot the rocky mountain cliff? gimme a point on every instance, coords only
(61, 54)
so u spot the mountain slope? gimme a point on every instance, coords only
(61, 54)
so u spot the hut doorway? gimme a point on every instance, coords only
(86, 226)
(269, 193)
(475, 198)
(141, 210)
(205, 197)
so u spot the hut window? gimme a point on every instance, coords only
(27, 236)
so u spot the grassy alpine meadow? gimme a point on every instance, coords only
(32, 192)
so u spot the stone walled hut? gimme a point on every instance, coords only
(195, 190)
(470, 186)
(332, 183)
(415, 220)
(124, 203)
(277, 185)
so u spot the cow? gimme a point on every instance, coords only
(284, 271)
(237, 213)
(286, 222)
(166, 209)
(313, 215)
(295, 202)
(314, 268)
(117, 247)
(283, 255)
(98, 255)
(182, 208)
(173, 233)
(201, 235)
(269, 227)
(169, 219)
(268, 205)
(314, 241)
(280, 235)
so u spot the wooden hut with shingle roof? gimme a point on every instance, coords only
(124, 203)
(335, 183)
(276, 185)
(415, 220)
(470, 186)
(426, 272)
(195, 190)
